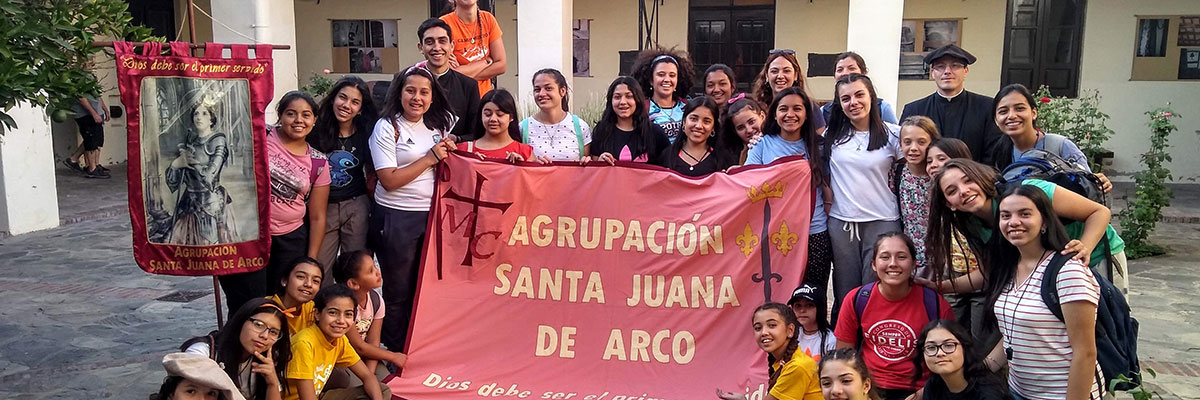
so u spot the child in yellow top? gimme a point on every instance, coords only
(356, 270)
(300, 284)
(318, 349)
(793, 375)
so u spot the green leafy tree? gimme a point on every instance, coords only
(46, 45)
(1078, 119)
(1145, 209)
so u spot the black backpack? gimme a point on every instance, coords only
(1048, 166)
(1116, 329)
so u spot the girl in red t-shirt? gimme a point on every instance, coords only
(885, 318)
(499, 134)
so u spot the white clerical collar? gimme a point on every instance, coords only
(948, 98)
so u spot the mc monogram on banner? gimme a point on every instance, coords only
(612, 283)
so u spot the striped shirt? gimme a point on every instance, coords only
(1041, 359)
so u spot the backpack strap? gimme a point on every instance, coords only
(525, 130)
(1050, 286)
(1053, 143)
(932, 305)
(318, 165)
(860, 304)
(212, 345)
(578, 134)
(374, 296)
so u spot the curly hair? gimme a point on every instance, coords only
(643, 70)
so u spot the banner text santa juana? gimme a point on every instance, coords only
(601, 282)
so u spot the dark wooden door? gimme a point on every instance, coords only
(1043, 43)
(737, 36)
(158, 15)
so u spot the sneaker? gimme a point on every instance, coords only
(74, 166)
(97, 174)
(103, 168)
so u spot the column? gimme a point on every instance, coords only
(262, 21)
(28, 195)
(544, 41)
(874, 33)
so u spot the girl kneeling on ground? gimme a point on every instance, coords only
(254, 348)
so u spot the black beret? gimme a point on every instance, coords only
(951, 51)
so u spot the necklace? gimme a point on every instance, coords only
(697, 160)
(1008, 350)
(478, 27)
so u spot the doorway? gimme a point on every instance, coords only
(737, 33)
(1043, 42)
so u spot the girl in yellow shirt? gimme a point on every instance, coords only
(793, 375)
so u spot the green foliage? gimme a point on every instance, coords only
(1144, 210)
(1078, 119)
(1139, 392)
(46, 45)
(318, 85)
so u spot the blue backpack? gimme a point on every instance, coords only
(1116, 329)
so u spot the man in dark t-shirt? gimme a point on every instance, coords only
(462, 91)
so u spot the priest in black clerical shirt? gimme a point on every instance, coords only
(957, 112)
(462, 91)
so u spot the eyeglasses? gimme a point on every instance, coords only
(260, 326)
(931, 349)
(789, 52)
(950, 66)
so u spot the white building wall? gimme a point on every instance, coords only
(28, 196)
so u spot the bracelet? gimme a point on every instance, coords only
(435, 156)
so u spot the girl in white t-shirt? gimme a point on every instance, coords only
(554, 133)
(406, 144)
(1048, 358)
(859, 150)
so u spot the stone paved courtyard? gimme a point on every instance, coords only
(81, 320)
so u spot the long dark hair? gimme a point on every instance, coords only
(718, 150)
(1003, 149)
(606, 129)
(508, 105)
(643, 70)
(729, 136)
(974, 370)
(808, 130)
(841, 129)
(943, 221)
(789, 318)
(762, 90)
(325, 133)
(559, 80)
(438, 117)
(226, 345)
(1002, 264)
(851, 357)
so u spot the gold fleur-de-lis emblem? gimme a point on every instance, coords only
(747, 240)
(784, 239)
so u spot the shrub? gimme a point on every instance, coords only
(1152, 194)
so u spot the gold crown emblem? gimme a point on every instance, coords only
(767, 191)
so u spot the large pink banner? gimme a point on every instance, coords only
(600, 282)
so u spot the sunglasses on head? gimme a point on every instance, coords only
(783, 51)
